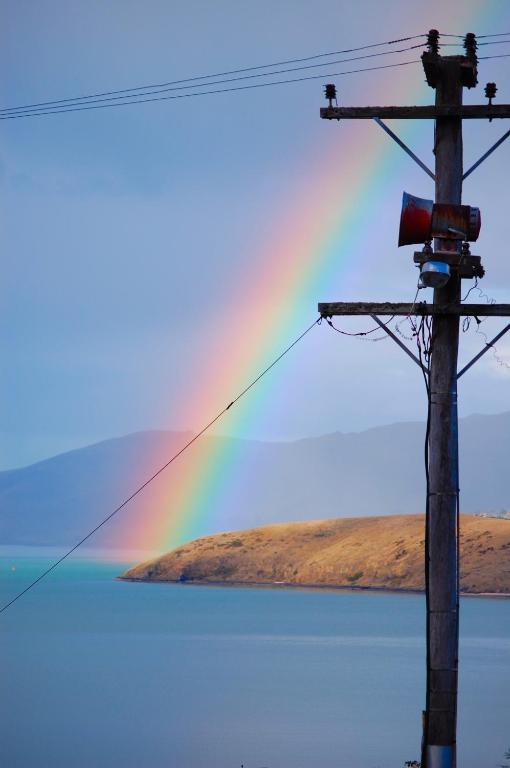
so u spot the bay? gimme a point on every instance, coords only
(105, 673)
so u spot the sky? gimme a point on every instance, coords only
(142, 247)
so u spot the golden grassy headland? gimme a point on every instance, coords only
(380, 552)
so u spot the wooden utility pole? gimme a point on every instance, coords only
(442, 566)
(448, 75)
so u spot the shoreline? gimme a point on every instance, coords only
(310, 587)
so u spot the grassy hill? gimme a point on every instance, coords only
(381, 552)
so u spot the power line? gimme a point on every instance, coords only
(461, 45)
(499, 56)
(232, 79)
(494, 42)
(215, 75)
(499, 34)
(161, 469)
(129, 96)
(361, 335)
(207, 93)
(478, 37)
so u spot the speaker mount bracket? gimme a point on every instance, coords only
(466, 265)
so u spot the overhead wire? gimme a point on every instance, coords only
(161, 469)
(361, 335)
(478, 37)
(479, 45)
(214, 75)
(83, 108)
(493, 42)
(132, 91)
(498, 56)
(498, 34)
(136, 95)
(119, 99)
(460, 45)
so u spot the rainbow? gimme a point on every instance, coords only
(303, 256)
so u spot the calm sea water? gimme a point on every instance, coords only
(102, 673)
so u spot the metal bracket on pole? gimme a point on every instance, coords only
(406, 148)
(400, 344)
(486, 155)
(488, 346)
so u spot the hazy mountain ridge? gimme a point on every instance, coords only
(370, 552)
(378, 471)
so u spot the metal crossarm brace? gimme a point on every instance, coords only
(400, 343)
(489, 345)
(486, 155)
(406, 148)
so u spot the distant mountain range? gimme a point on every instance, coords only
(375, 472)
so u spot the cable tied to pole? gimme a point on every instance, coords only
(161, 469)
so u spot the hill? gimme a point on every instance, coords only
(377, 552)
(376, 472)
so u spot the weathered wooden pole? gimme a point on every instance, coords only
(448, 75)
(439, 738)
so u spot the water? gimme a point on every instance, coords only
(102, 673)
